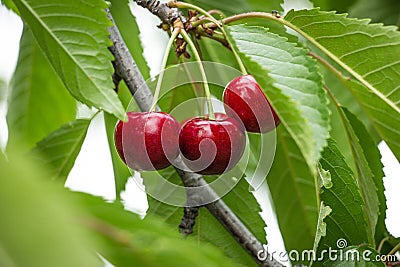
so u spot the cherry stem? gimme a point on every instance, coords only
(216, 22)
(202, 101)
(216, 11)
(395, 249)
(195, 87)
(163, 65)
(261, 15)
(203, 73)
(381, 243)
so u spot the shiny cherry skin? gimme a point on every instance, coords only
(212, 146)
(148, 140)
(247, 102)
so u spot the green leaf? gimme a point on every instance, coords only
(370, 174)
(37, 226)
(393, 242)
(345, 96)
(59, 150)
(3, 156)
(338, 5)
(296, 91)
(126, 97)
(227, 7)
(38, 102)
(232, 7)
(207, 228)
(348, 220)
(356, 256)
(130, 32)
(293, 192)
(338, 132)
(10, 5)
(384, 118)
(364, 175)
(266, 6)
(73, 35)
(366, 160)
(385, 11)
(130, 241)
(361, 49)
(121, 171)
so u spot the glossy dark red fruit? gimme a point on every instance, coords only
(247, 102)
(148, 140)
(212, 146)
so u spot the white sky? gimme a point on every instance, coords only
(93, 170)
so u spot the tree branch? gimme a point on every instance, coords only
(188, 220)
(198, 191)
(161, 10)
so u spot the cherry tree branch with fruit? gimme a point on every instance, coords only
(255, 111)
(254, 120)
(126, 68)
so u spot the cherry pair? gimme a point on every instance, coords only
(152, 140)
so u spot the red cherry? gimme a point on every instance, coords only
(212, 146)
(148, 140)
(247, 102)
